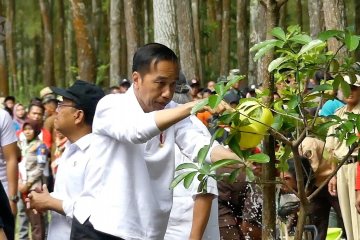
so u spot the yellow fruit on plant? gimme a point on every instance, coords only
(260, 119)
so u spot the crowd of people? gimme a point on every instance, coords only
(79, 163)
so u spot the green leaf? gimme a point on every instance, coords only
(219, 88)
(186, 166)
(322, 88)
(351, 41)
(278, 122)
(232, 80)
(337, 80)
(203, 185)
(276, 63)
(199, 106)
(334, 66)
(293, 102)
(311, 45)
(348, 126)
(205, 169)
(263, 50)
(223, 163)
(263, 44)
(234, 144)
(250, 175)
(259, 158)
(279, 33)
(202, 153)
(358, 123)
(189, 179)
(178, 179)
(201, 176)
(328, 34)
(233, 175)
(214, 101)
(345, 87)
(352, 139)
(301, 38)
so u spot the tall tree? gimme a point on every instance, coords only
(357, 24)
(196, 25)
(165, 31)
(242, 28)
(316, 17)
(132, 35)
(4, 82)
(60, 44)
(225, 39)
(10, 46)
(269, 171)
(48, 64)
(123, 42)
(283, 16)
(84, 40)
(186, 38)
(96, 23)
(299, 13)
(115, 50)
(334, 15)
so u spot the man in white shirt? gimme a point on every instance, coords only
(132, 163)
(74, 120)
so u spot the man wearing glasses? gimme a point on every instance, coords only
(74, 120)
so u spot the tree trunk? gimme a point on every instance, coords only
(60, 44)
(225, 39)
(165, 31)
(334, 15)
(10, 48)
(269, 170)
(115, 16)
(357, 25)
(196, 25)
(96, 23)
(316, 17)
(84, 41)
(123, 42)
(48, 64)
(283, 16)
(299, 13)
(242, 28)
(132, 35)
(69, 53)
(186, 39)
(4, 81)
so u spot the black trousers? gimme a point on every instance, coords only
(321, 205)
(7, 220)
(86, 231)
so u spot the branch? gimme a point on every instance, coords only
(263, 3)
(323, 184)
(280, 137)
(302, 136)
(279, 3)
(317, 112)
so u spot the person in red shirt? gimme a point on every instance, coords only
(357, 188)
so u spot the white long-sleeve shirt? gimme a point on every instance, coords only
(69, 183)
(127, 190)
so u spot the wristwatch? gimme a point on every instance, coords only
(14, 198)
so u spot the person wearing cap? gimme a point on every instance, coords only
(343, 184)
(233, 95)
(127, 193)
(74, 120)
(194, 88)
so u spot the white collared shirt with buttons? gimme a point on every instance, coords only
(127, 189)
(69, 184)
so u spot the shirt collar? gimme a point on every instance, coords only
(83, 143)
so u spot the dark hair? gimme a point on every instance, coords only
(306, 168)
(12, 98)
(35, 101)
(152, 53)
(36, 105)
(319, 75)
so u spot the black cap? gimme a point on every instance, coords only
(85, 95)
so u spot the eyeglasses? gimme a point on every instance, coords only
(61, 105)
